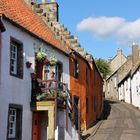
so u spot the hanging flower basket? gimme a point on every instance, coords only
(28, 64)
(41, 55)
(53, 60)
(46, 60)
(33, 75)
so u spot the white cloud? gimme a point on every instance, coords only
(106, 27)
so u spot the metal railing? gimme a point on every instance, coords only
(49, 90)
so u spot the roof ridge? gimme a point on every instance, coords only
(19, 12)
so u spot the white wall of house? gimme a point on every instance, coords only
(65, 130)
(18, 91)
(127, 93)
(135, 83)
(121, 92)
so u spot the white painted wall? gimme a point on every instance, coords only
(135, 83)
(63, 133)
(18, 91)
(127, 90)
(121, 92)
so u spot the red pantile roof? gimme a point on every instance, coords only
(19, 12)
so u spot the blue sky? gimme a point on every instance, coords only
(102, 26)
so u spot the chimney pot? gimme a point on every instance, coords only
(119, 51)
(43, 1)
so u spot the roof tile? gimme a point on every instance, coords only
(19, 12)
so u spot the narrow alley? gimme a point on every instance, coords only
(121, 122)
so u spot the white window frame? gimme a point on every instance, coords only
(14, 58)
(12, 123)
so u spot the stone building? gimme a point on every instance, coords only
(128, 76)
(119, 82)
(112, 80)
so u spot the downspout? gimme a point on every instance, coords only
(2, 29)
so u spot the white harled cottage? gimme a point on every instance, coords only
(24, 37)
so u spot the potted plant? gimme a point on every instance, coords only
(33, 75)
(41, 55)
(28, 64)
(53, 60)
(46, 60)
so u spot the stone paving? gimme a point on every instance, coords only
(121, 122)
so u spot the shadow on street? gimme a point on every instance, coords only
(107, 109)
(104, 115)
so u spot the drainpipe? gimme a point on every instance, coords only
(2, 29)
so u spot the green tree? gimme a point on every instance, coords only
(103, 67)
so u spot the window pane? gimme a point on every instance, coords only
(13, 61)
(12, 123)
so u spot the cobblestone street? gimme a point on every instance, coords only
(121, 122)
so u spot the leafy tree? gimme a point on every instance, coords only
(103, 67)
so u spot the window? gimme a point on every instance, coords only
(13, 59)
(14, 122)
(59, 71)
(76, 69)
(16, 58)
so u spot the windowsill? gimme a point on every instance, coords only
(16, 76)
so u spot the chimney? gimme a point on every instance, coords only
(43, 1)
(50, 9)
(135, 53)
(129, 57)
(119, 51)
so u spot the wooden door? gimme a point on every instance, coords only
(36, 126)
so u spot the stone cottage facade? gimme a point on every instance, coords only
(128, 76)
(129, 79)
(112, 80)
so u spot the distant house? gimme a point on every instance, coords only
(128, 76)
(135, 85)
(124, 80)
(124, 76)
(112, 80)
(124, 88)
